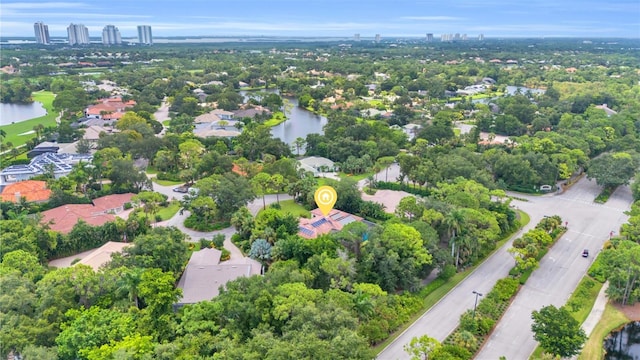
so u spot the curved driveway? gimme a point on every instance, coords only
(558, 275)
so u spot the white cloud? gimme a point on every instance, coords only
(432, 18)
(42, 5)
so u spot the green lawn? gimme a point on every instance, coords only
(277, 118)
(293, 208)
(166, 182)
(14, 130)
(355, 177)
(611, 319)
(168, 212)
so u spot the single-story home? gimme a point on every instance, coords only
(317, 165)
(204, 275)
(102, 255)
(319, 224)
(63, 218)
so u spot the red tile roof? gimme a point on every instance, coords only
(320, 224)
(32, 190)
(111, 202)
(63, 218)
(110, 105)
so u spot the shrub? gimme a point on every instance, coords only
(447, 272)
(218, 241)
(597, 271)
(468, 323)
(226, 255)
(204, 243)
(127, 206)
(485, 325)
(276, 206)
(505, 288)
(453, 352)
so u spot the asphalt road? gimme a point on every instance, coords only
(563, 267)
(559, 273)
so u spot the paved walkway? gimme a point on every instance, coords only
(596, 312)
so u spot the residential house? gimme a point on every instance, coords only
(317, 165)
(59, 164)
(30, 190)
(319, 224)
(112, 108)
(205, 275)
(102, 255)
(63, 218)
(223, 114)
(92, 133)
(251, 112)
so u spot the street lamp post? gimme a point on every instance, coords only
(476, 303)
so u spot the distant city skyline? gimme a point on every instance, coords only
(334, 18)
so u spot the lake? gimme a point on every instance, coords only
(13, 113)
(624, 343)
(300, 122)
(510, 90)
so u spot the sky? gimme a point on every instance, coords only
(333, 18)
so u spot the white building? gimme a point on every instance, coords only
(42, 33)
(144, 35)
(111, 35)
(59, 164)
(78, 34)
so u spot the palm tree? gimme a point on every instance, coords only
(129, 283)
(453, 221)
(38, 130)
(299, 143)
(363, 305)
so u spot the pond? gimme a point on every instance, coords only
(301, 122)
(623, 344)
(510, 90)
(13, 113)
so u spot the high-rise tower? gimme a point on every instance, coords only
(144, 35)
(42, 33)
(78, 34)
(111, 35)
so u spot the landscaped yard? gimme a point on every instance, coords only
(14, 130)
(168, 212)
(357, 177)
(293, 208)
(166, 182)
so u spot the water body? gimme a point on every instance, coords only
(510, 90)
(14, 113)
(623, 344)
(300, 122)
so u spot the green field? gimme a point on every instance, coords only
(14, 130)
(277, 118)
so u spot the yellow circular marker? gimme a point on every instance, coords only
(325, 197)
